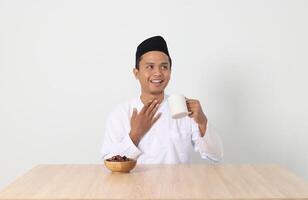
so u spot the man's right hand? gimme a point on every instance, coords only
(142, 122)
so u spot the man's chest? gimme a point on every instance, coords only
(166, 133)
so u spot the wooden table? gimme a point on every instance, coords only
(157, 182)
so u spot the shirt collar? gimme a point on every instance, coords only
(139, 103)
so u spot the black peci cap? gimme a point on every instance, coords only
(156, 43)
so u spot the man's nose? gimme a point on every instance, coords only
(157, 71)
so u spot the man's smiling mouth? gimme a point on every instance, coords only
(156, 81)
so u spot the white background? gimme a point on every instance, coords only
(65, 64)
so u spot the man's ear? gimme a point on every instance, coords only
(135, 71)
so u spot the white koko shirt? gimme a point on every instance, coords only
(169, 140)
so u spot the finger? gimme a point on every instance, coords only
(193, 107)
(191, 114)
(151, 107)
(156, 118)
(145, 107)
(133, 115)
(192, 102)
(154, 110)
(188, 99)
(189, 105)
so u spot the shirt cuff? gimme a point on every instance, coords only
(209, 146)
(129, 148)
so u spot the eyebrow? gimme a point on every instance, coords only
(163, 63)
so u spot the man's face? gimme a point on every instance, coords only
(154, 72)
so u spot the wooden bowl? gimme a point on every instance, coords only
(123, 167)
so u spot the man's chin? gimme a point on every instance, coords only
(156, 92)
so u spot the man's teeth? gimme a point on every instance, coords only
(156, 81)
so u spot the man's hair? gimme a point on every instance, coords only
(139, 59)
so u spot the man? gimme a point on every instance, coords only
(144, 129)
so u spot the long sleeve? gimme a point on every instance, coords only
(209, 146)
(116, 140)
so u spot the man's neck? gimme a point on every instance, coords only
(145, 98)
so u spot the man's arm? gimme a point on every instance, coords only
(207, 143)
(116, 139)
(202, 128)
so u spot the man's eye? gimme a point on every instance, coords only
(164, 67)
(149, 67)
